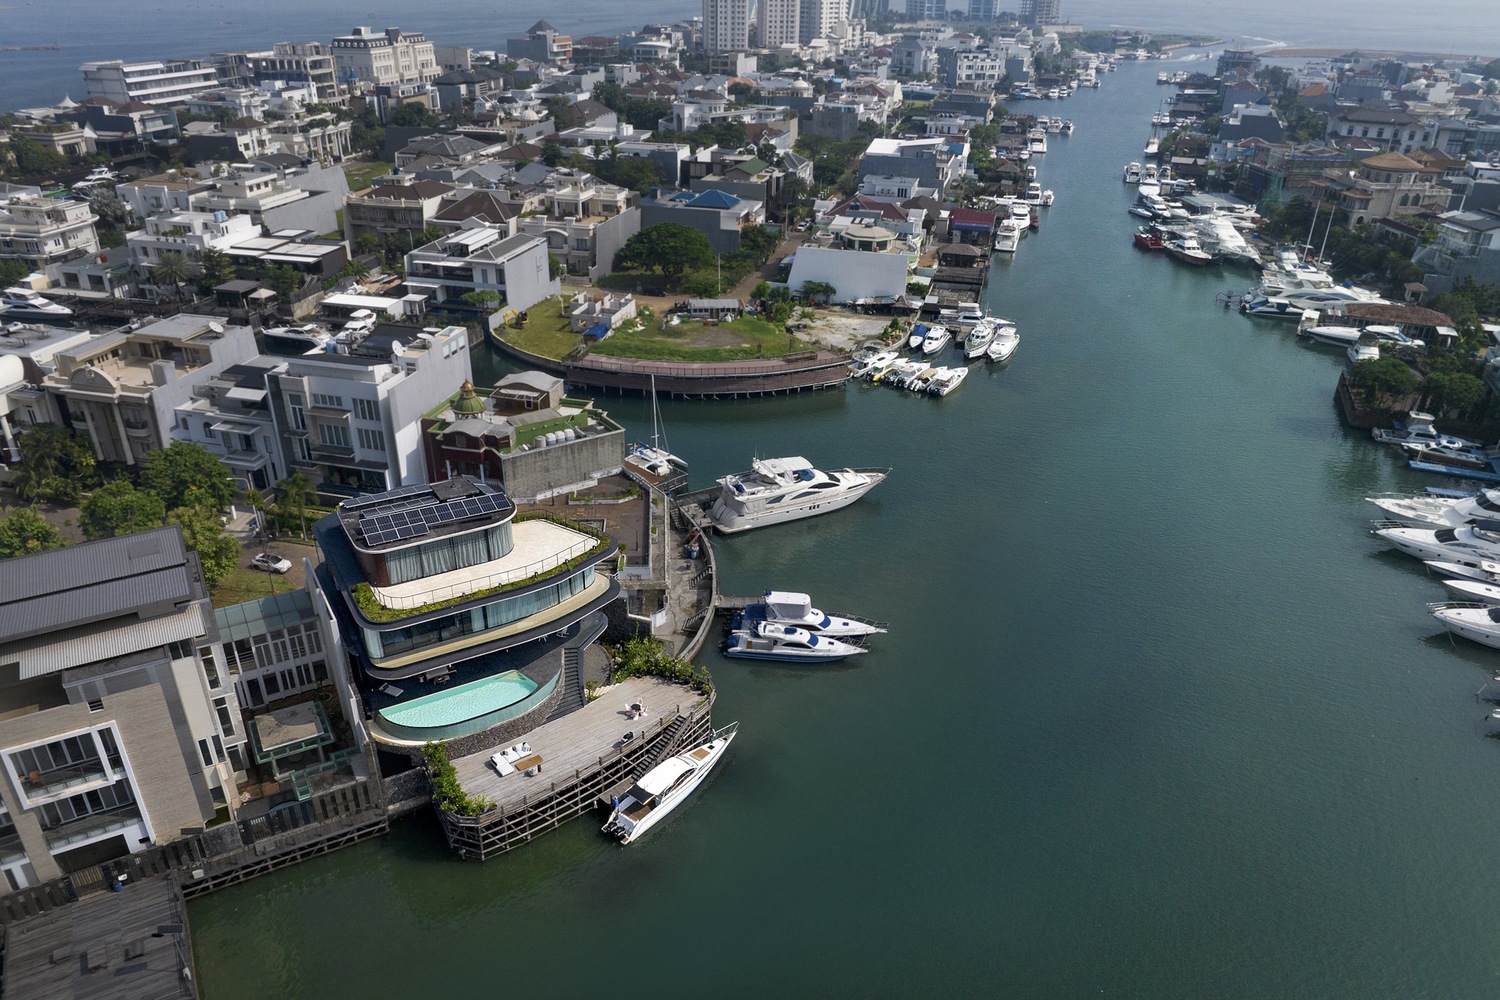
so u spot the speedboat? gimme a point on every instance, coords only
(1363, 352)
(936, 339)
(662, 789)
(776, 490)
(1425, 508)
(918, 334)
(1149, 238)
(23, 303)
(788, 644)
(1132, 173)
(1007, 236)
(1479, 622)
(1483, 571)
(872, 364)
(1067, 127)
(946, 380)
(1005, 343)
(1334, 336)
(1474, 590)
(310, 338)
(979, 338)
(1419, 438)
(1473, 543)
(1188, 251)
(781, 607)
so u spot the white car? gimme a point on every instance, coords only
(271, 564)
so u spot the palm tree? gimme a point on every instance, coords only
(297, 494)
(815, 290)
(172, 268)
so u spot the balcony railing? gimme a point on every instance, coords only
(64, 781)
(93, 826)
(478, 584)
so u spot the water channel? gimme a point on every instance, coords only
(1155, 716)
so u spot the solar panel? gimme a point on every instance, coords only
(374, 499)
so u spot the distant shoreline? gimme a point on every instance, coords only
(1290, 53)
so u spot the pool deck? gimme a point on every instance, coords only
(575, 742)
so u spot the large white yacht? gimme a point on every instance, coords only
(782, 607)
(787, 489)
(662, 789)
(1467, 543)
(787, 644)
(1426, 509)
(23, 303)
(1479, 622)
(1008, 235)
(979, 338)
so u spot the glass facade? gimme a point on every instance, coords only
(447, 554)
(387, 643)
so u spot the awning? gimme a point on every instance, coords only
(246, 395)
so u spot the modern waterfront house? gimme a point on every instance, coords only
(460, 616)
(118, 730)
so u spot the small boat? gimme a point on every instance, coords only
(1474, 621)
(787, 644)
(1067, 127)
(665, 786)
(1363, 352)
(936, 339)
(918, 334)
(979, 338)
(874, 363)
(1153, 146)
(1187, 250)
(1132, 173)
(946, 380)
(1474, 590)
(781, 607)
(310, 338)
(1149, 238)
(1005, 343)
(776, 490)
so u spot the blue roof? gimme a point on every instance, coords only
(714, 198)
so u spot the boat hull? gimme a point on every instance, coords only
(664, 810)
(729, 521)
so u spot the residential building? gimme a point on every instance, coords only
(118, 730)
(123, 127)
(277, 647)
(278, 192)
(458, 86)
(187, 234)
(455, 610)
(926, 10)
(718, 215)
(862, 262)
(388, 59)
(1384, 128)
(818, 18)
(167, 82)
(1467, 246)
(586, 221)
(349, 420)
(171, 191)
(971, 68)
(229, 415)
(726, 25)
(935, 162)
(1384, 185)
(482, 259)
(542, 44)
(121, 390)
(984, 10)
(390, 209)
(234, 140)
(40, 231)
(525, 434)
(289, 64)
(1041, 12)
(747, 177)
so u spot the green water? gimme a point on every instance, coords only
(1155, 716)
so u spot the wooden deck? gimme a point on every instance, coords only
(571, 747)
(110, 946)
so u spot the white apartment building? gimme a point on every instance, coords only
(41, 231)
(351, 422)
(118, 730)
(229, 416)
(482, 259)
(149, 82)
(188, 234)
(387, 58)
(726, 25)
(779, 22)
(819, 17)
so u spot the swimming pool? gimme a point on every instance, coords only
(465, 709)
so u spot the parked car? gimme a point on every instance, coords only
(802, 226)
(271, 564)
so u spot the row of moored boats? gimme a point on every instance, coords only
(978, 337)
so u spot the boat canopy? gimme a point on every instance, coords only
(785, 604)
(664, 775)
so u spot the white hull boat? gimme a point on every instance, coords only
(1425, 509)
(23, 303)
(665, 786)
(1477, 542)
(1007, 236)
(782, 607)
(1478, 622)
(1005, 343)
(979, 339)
(918, 334)
(787, 644)
(946, 380)
(1479, 572)
(936, 339)
(777, 490)
(1473, 590)
(656, 456)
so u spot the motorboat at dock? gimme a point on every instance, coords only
(1471, 620)
(935, 340)
(1427, 509)
(1476, 542)
(946, 380)
(776, 490)
(783, 607)
(23, 303)
(1005, 343)
(786, 644)
(665, 786)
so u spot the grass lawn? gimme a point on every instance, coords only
(546, 332)
(249, 585)
(743, 339)
(362, 173)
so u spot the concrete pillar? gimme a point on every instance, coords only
(124, 438)
(10, 441)
(88, 420)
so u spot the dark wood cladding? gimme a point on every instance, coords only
(764, 377)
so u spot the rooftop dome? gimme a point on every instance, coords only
(467, 403)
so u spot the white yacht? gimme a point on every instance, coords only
(1153, 146)
(873, 363)
(1473, 590)
(936, 339)
(1005, 343)
(787, 644)
(979, 338)
(309, 338)
(776, 490)
(918, 334)
(1483, 571)
(1362, 352)
(1479, 622)
(1472, 543)
(781, 607)
(1425, 508)
(1188, 250)
(946, 380)
(1036, 141)
(1008, 235)
(656, 457)
(662, 789)
(1037, 198)
(1132, 173)
(23, 303)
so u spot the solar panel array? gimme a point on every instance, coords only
(412, 519)
(401, 492)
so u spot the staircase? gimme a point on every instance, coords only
(667, 748)
(572, 697)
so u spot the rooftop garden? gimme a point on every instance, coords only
(652, 338)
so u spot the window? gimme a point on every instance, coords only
(272, 685)
(226, 718)
(294, 401)
(97, 705)
(210, 667)
(334, 434)
(366, 409)
(322, 399)
(371, 440)
(203, 751)
(208, 433)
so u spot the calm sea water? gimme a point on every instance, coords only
(153, 29)
(1155, 718)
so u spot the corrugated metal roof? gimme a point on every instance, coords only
(51, 653)
(94, 581)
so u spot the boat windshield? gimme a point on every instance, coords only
(1488, 504)
(1494, 614)
(806, 475)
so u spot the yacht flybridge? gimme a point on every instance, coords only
(786, 489)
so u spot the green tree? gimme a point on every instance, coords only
(118, 508)
(818, 291)
(285, 280)
(563, 112)
(24, 531)
(297, 494)
(430, 234)
(33, 159)
(111, 209)
(184, 473)
(1444, 392)
(56, 464)
(1388, 377)
(669, 247)
(214, 268)
(203, 532)
(355, 268)
(12, 271)
(484, 299)
(555, 268)
(367, 244)
(171, 270)
(412, 116)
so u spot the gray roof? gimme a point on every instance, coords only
(95, 581)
